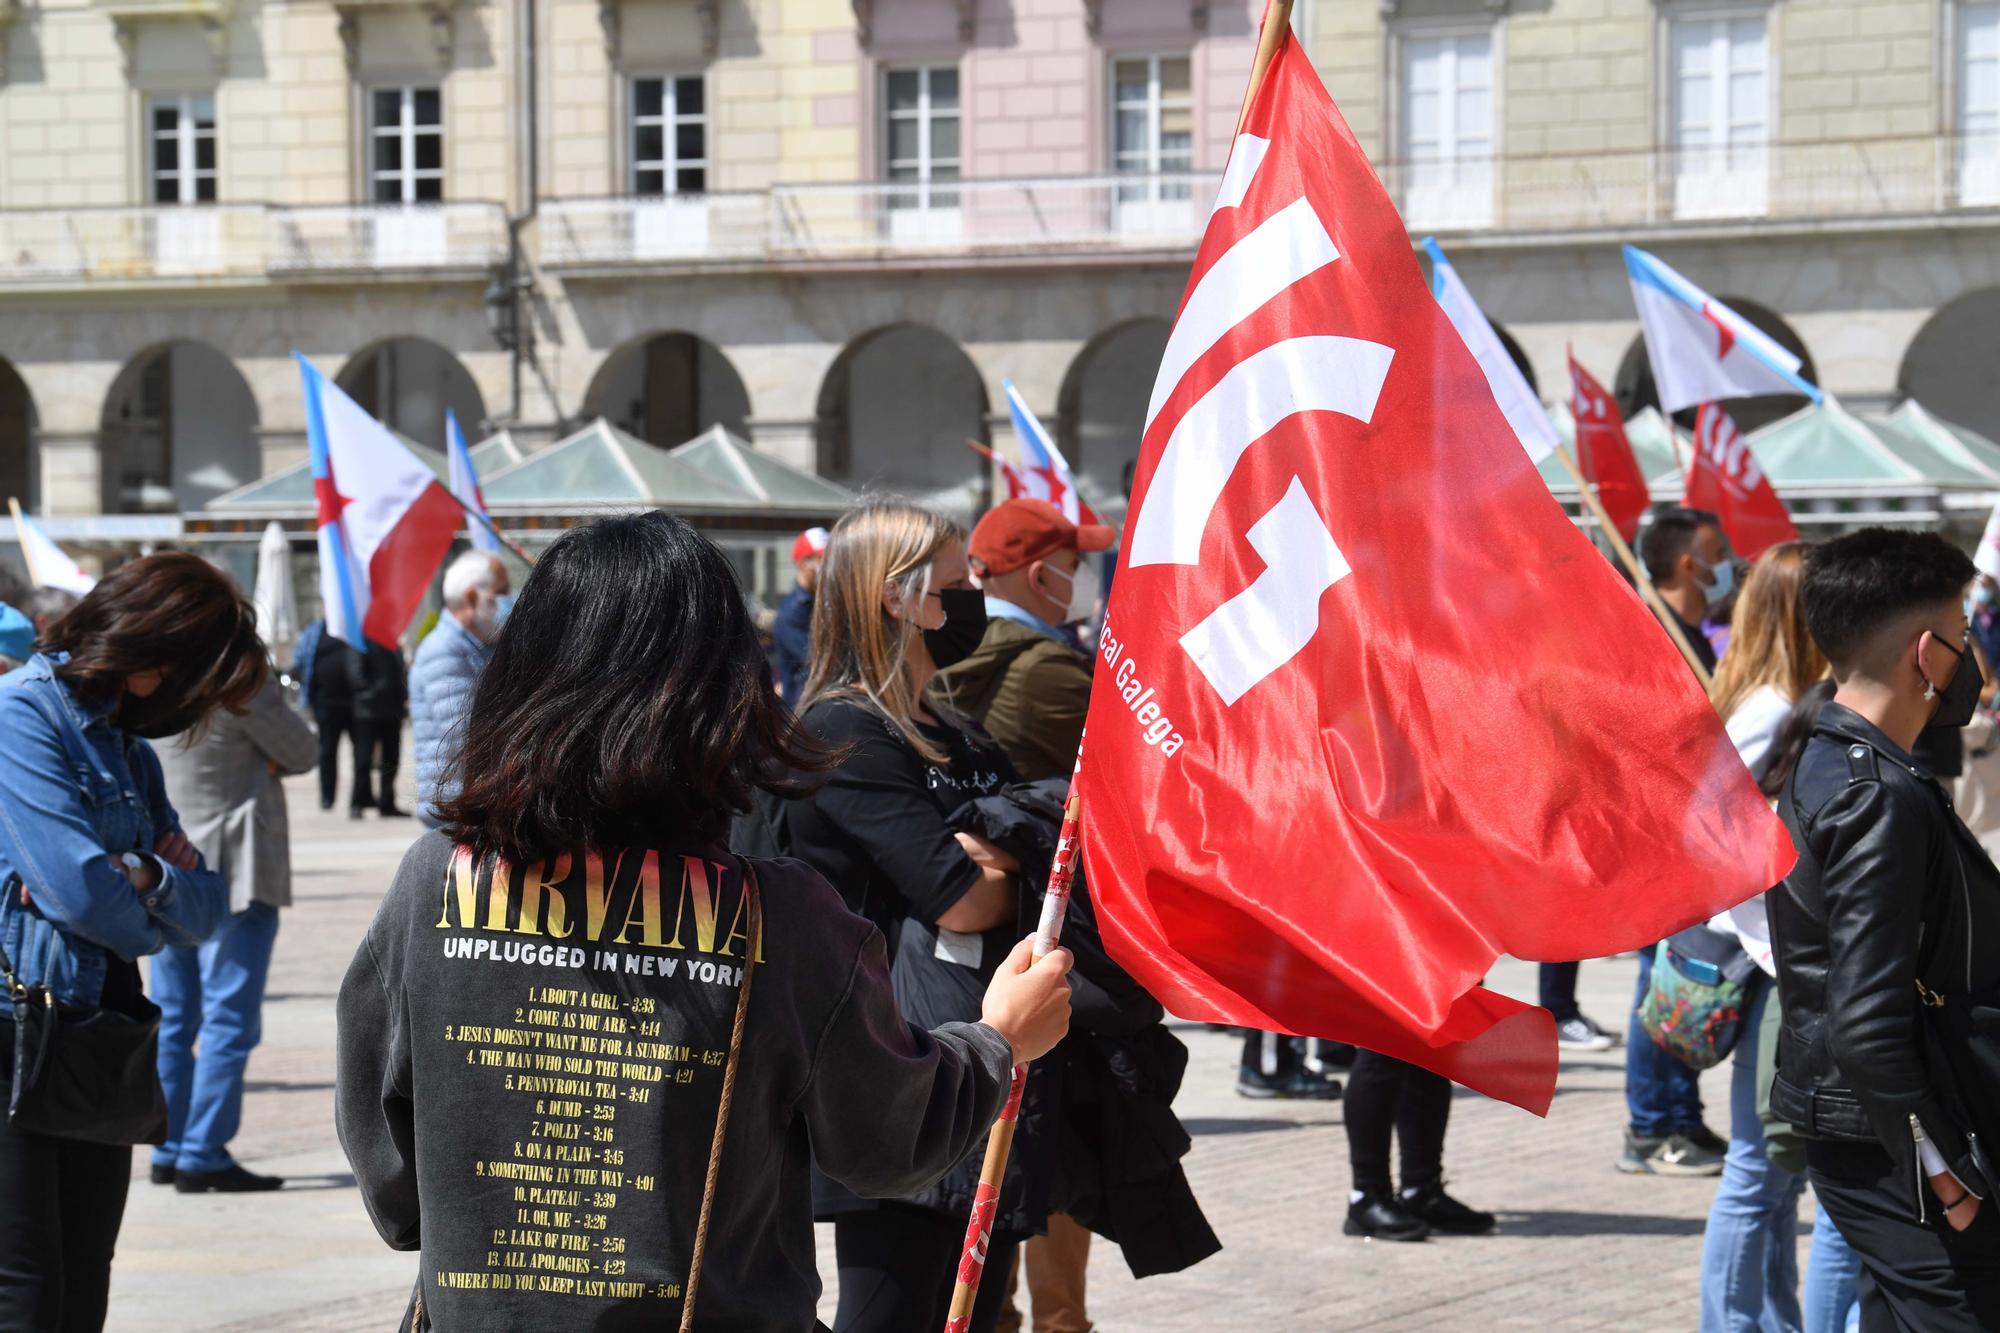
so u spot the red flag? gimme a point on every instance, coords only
(1369, 711)
(1604, 454)
(1725, 478)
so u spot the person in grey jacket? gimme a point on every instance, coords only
(447, 665)
(534, 1035)
(232, 805)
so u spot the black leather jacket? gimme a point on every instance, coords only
(1890, 888)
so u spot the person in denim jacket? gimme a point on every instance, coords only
(95, 872)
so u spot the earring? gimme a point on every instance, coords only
(1930, 691)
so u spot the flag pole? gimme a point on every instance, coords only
(21, 540)
(1277, 22)
(498, 535)
(1661, 611)
(1000, 1142)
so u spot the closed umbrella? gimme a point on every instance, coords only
(277, 606)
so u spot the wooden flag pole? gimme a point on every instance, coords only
(1055, 904)
(21, 540)
(1000, 1142)
(1661, 611)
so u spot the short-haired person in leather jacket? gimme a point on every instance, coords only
(1890, 891)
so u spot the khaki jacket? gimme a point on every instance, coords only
(1029, 692)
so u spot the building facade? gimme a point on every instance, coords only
(836, 226)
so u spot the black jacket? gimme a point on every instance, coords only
(1890, 888)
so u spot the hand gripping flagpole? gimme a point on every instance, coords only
(986, 1202)
(1055, 904)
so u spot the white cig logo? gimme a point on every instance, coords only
(1268, 623)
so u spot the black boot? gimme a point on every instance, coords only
(1380, 1216)
(1444, 1214)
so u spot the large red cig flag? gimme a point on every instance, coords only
(1725, 479)
(1604, 455)
(1369, 711)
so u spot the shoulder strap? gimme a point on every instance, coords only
(756, 897)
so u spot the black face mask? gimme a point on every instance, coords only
(964, 626)
(157, 716)
(1959, 698)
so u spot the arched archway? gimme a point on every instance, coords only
(895, 411)
(1101, 411)
(1635, 390)
(407, 383)
(667, 388)
(17, 438)
(179, 428)
(1949, 364)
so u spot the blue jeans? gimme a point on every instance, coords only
(1749, 1255)
(1830, 1306)
(1662, 1095)
(214, 993)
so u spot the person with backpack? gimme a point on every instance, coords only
(586, 1053)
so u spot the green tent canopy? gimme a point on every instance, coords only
(291, 488)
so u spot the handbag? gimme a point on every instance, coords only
(83, 1072)
(1701, 989)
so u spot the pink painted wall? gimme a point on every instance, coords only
(1034, 82)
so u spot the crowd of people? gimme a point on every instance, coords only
(842, 836)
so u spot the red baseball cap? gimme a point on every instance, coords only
(809, 543)
(1015, 534)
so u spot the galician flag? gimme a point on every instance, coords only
(1517, 400)
(49, 566)
(385, 524)
(465, 485)
(1702, 351)
(1044, 473)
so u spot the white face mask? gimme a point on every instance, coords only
(485, 617)
(1085, 588)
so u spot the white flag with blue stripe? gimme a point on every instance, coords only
(1702, 351)
(1511, 390)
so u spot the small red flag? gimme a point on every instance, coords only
(1725, 479)
(1604, 454)
(1369, 711)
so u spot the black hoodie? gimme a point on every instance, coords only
(530, 1066)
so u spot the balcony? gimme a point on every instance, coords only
(245, 242)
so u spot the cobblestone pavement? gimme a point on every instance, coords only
(1580, 1246)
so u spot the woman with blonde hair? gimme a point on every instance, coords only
(895, 605)
(1749, 1278)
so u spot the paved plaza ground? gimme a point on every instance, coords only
(1579, 1246)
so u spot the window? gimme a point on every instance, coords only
(1979, 104)
(406, 157)
(1152, 115)
(920, 127)
(669, 136)
(1721, 126)
(183, 142)
(1447, 120)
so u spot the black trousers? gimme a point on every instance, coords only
(1917, 1276)
(1558, 987)
(333, 721)
(898, 1264)
(1385, 1094)
(61, 1204)
(378, 747)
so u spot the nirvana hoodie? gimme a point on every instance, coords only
(530, 1067)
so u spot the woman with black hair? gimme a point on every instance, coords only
(94, 873)
(585, 1052)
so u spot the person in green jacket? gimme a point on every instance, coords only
(1028, 683)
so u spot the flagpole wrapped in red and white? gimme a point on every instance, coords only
(385, 524)
(1369, 712)
(1725, 479)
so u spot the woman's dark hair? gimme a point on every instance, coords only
(627, 703)
(173, 613)
(1790, 742)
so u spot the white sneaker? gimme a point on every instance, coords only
(1580, 1034)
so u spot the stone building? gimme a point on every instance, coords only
(835, 226)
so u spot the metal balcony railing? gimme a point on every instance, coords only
(347, 238)
(639, 229)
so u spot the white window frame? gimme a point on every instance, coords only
(1456, 192)
(669, 121)
(1153, 107)
(926, 117)
(1149, 203)
(1742, 188)
(1977, 158)
(407, 173)
(185, 175)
